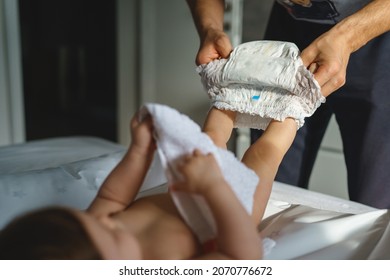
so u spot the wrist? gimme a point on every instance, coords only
(352, 37)
(366, 24)
(208, 15)
(139, 152)
(210, 31)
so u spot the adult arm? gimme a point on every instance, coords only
(208, 18)
(329, 54)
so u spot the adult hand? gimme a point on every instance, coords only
(327, 57)
(215, 44)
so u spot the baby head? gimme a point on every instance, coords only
(52, 233)
(65, 234)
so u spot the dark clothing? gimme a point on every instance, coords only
(362, 111)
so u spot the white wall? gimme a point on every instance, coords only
(169, 46)
(11, 93)
(127, 63)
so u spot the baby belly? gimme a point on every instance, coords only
(170, 239)
(164, 234)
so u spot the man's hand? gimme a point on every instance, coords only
(215, 44)
(327, 57)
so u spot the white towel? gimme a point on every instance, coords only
(177, 135)
(262, 80)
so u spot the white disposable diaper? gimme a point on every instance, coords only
(262, 80)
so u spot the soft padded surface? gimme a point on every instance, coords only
(48, 153)
(59, 171)
(299, 224)
(283, 196)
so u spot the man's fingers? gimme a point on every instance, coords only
(313, 67)
(224, 51)
(329, 79)
(331, 86)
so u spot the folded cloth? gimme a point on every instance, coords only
(177, 135)
(262, 80)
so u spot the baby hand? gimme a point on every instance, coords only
(200, 172)
(142, 134)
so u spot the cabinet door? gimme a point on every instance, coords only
(69, 67)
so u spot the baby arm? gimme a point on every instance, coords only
(123, 183)
(237, 236)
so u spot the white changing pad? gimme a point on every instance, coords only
(302, 224)
(297, 221)
(284, 195)
(49, 153)
(65, 171)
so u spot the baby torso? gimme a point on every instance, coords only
(159, 228)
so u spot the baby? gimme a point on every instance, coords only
(264, 156)
(116, 226)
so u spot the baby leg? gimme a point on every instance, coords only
(219, 126)
(264, 157)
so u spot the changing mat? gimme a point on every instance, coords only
(261, 81)
(299, 224)
(177, 135)
(302, 232)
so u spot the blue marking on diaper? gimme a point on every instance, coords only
(256, 97)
